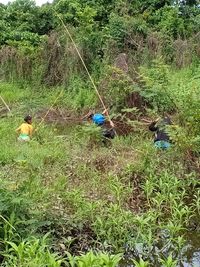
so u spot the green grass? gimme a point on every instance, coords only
(126, 198)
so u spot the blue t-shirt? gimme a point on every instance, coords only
(98, 119)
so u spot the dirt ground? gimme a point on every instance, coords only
(66, 117)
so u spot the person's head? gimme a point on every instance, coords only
(28, 119)
(90, 116)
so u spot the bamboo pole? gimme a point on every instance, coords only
(5, 104)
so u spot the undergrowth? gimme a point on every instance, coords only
(68, 201)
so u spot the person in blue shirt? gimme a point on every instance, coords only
(99, 119)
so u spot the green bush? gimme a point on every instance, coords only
(156, 81)
(31, 253)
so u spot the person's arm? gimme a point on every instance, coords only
(112, 124)
(18, 129)
(87, 116)
(105, 112)
(31, 130)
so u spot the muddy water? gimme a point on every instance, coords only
(190, 254)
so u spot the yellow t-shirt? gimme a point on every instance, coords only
(25, 128)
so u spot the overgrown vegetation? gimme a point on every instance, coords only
(65, 198)
(128, 198)
(35, 47)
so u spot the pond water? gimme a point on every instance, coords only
(190, 254)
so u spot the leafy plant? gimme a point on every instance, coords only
(169, 262)
(92, 259)
(141, 263)
(33, 252)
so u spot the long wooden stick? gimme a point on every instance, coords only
(5, 104)
(44, 117)
(84, 65)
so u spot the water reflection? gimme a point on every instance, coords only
(191, 255)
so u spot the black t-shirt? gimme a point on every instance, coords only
(161, 134)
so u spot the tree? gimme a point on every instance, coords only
(45, 19)
(21, 15)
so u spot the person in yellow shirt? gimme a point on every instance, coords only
(25, 130)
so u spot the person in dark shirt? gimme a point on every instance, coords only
(162, 139)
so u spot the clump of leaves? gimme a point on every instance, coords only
(156, 80)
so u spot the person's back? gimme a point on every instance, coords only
(25, 130)
(99, 119)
